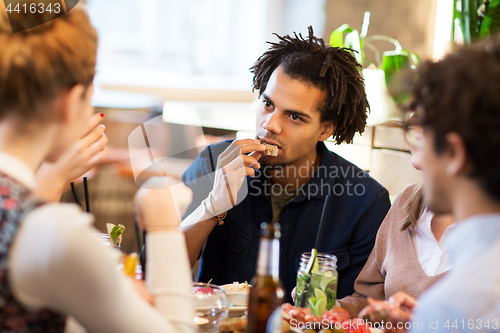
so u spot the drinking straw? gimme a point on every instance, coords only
(86, 190)
(75, 195)
(321, 223)
(316, 245)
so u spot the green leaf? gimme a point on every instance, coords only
(337, 36)
(466, 12)
(117, 231)
(473, 19)
(393, 65)
(491, 22)
(455, 15)
(415, 59)
(351, 40)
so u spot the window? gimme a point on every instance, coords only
(155, 41)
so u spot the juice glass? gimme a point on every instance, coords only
(319, 287)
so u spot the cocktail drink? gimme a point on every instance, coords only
(317, 285)
(210, 305)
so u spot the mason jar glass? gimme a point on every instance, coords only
(317, 290)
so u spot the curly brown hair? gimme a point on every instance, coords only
(461, 94)
(331, 69)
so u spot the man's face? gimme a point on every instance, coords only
(288, 116)
(415, 140)
(436, 181)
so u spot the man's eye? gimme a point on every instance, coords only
(295, 117)
(267, 104)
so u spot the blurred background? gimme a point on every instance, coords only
(210, 44)
(183, 66)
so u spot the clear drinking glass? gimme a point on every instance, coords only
(319, 288)
(113, 251)
(210, 305)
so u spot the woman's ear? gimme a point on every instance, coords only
(327, 129)
(71, 101)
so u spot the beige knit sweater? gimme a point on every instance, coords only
(393, 264)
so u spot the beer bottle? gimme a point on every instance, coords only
(266, 293)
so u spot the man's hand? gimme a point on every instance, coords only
(86, 153)
(233, 165)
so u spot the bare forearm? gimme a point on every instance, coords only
(197, 227)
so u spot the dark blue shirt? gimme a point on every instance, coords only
(357, 207)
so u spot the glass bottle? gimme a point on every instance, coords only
(266, 293)
(319, 287)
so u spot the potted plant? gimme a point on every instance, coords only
(384, 87)
(475, 19)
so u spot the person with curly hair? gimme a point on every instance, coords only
(457, 100)
(308, 92)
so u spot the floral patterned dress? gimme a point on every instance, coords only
(16, 201)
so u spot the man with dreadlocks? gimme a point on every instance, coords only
(308, 92)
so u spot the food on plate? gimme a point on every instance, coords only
(237, 287)
(271, 150)
(237, 293)
(331, 321)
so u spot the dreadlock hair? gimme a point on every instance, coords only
(332, 69)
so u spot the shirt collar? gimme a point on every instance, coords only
(322, 178)
(17, 169)
(471, 236)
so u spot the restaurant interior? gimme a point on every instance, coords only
(173, 77)
(188, 61)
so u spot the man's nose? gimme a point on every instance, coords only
(272, 123)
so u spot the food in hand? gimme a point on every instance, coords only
(383, 311)
(271, 150)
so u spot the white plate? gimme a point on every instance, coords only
(237, 311)
(237, 299)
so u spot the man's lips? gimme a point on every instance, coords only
(271, 142)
